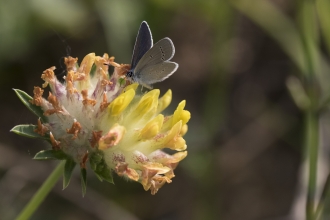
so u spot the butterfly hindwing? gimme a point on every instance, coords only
(162, 51)
(156, 73)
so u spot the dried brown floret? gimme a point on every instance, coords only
(86, 100)
(41, 129)
(104, 103)
(75, 129)
(96, 135)
(84, 160)
(123, 169)
(56, 106)
(102, 65)
(70, 63)
(55, 143)
(48, 76)
(37, 98)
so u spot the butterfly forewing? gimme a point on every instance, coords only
(157, 72)
(162, 51)
(142, 44)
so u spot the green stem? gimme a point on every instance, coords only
(312, 151)
(324, 194)
(43, 191)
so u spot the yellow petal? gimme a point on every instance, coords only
(173, 140)
(152, 128)
(177, 143)
(177, 157)
(184, 130)
(167, 124)
(164, 101)
(180, 114)
(147, 104)
(174, 132)
(132, 86)
(169, 139)
(121, 102)
(166, 159)
(87, 63)
(157, 167)
(85, 68)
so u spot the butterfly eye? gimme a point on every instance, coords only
(129, 74)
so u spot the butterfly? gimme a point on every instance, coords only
(150, 63)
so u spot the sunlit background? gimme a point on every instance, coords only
(245, 138)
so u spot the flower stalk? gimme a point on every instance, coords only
(42, 192)
(312, 154)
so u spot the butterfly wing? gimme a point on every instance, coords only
(143, 43)
(162, 51)
(156, 73)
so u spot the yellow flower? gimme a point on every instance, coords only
(93, 118)
(152, 128)
(121, 102)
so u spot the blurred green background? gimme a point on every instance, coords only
(245, 138)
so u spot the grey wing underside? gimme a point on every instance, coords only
(156, 73)
(162, 51)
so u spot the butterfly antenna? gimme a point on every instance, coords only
(61, 60)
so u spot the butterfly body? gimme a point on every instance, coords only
(150, 63)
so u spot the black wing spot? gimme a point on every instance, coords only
(163, 53)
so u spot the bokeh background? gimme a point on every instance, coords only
(246, 134)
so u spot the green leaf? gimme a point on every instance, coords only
(25, 98)
(322, 7)
(28, 131)
(93, 165)
(68, 168)
(121, 81)
(103, 171)
(105, 174)
(51, 155)
(99, 177)
(96, 157)
(99, 166)
(83, 175)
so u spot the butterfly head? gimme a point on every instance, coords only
(130, 75)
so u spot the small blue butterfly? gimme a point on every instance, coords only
(150, 64)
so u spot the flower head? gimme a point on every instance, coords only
(97, 118)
